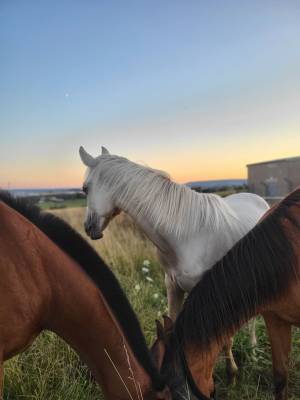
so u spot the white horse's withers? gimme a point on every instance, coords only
(192, 231)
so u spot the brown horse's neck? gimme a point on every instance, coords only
(201, 361)
(201, 365)
(79, 314)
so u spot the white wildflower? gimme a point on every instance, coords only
(137, 288)
(145, 270)
(146, 263)
(159, 313)
(156, 295)
(149, 279)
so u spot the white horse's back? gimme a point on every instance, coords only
(248, 207)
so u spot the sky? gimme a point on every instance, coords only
(196, 88)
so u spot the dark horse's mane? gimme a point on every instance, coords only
(255, 272)
(77, 247)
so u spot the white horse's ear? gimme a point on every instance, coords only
(86, 158)
(104, 150)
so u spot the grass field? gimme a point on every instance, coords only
(50, 370)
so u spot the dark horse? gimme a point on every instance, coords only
(52, 279)
(259, 275)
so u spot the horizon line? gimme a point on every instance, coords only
(79, 187)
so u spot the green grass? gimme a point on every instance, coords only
(69, 203)
(51, 370)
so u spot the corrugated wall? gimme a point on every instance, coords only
(274, 179)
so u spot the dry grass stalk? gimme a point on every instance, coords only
(131, 372)
(118, 373)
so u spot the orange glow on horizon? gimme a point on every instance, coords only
(227, 161)
(64, 180)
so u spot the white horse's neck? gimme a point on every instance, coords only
(152, 199)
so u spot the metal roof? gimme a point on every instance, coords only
(279, 160)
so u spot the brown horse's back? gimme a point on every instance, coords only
(22, 288)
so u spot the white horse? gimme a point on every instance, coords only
(192, 231)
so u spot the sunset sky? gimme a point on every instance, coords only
(196, 88)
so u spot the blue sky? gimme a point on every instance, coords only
(196, 88)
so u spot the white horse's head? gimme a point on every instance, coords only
(100, 206)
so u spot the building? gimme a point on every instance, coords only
(274, 179)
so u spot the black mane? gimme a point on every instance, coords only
(74, 244)
(255, 272)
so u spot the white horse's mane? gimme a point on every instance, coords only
(148, 193)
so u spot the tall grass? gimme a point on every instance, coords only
(50, 369)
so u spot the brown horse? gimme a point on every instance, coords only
(259, 275)
(52, 279)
